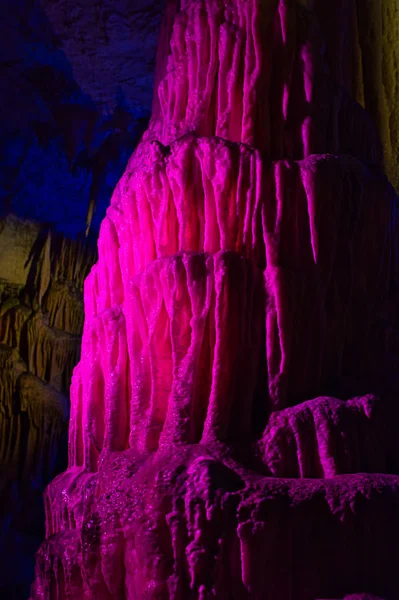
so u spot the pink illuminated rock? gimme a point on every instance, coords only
(297, 221)
(327, 437)
(254, 73)
(247, 263)
(188, 336)
(184, 524)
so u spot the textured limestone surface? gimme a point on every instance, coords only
(41, 317)
(221, 443)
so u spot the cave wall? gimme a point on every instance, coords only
(41, 320)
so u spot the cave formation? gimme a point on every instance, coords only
(41, 319)
(233, 413)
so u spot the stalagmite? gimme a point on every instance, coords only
(231, 433)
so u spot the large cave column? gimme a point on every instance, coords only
(247, 265)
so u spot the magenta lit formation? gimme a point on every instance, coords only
(233, 415)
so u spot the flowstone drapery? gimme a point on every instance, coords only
(233, 416)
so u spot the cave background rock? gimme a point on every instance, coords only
(76, 96)
(41, 320)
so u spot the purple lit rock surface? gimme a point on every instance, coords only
(247, 274)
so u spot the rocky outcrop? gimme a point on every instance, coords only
(247, 263)
(189, 525)
(327, 437)
(41, 314)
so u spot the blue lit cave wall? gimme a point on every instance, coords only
(75, 95)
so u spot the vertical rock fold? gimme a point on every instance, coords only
(233, 415)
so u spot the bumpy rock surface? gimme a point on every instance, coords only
(247, 267)
(41, 318)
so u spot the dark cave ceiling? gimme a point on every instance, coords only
(76, 94)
